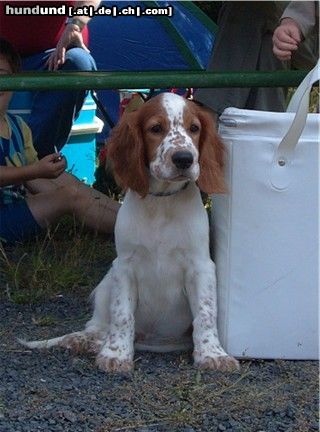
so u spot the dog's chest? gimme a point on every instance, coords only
(162, 225)
(162, 305)
(159, 243)
(160, 275)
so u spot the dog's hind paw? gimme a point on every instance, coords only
(82, 343)
(114, 365)
(220, 363)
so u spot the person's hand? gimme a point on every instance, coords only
(286, 39)
(49, 167)
(71, 37)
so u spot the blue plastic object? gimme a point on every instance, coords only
(80, 150)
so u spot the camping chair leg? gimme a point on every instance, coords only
(102, 110)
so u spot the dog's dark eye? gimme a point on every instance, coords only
(194, 128)
(156, 129)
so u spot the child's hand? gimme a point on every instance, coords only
(50, 166)
(286, 39)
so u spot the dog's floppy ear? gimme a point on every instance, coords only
(211, 156)
(125, 148)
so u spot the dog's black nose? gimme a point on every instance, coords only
(182, 159)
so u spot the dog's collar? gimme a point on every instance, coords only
(164, 194)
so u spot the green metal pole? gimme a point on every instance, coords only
(160, 79)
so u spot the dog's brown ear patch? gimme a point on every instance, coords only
(126, 150)
(211, 156)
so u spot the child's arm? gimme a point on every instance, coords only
(48, 167)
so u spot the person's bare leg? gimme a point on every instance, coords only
(48, 207)
(91, 207)
(48, 185)
(94, 209)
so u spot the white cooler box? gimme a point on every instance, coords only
(265, 232)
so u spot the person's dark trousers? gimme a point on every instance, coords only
(53, 111)
(244, 43)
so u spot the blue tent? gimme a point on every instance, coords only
(125, 41)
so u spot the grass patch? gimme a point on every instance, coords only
(57, 262)
(314, 98)
(179, 397)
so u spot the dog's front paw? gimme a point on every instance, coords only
(220, 363)
(114, 365)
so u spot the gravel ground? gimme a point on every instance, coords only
(58, 391)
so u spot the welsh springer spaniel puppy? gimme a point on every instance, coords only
(161, 288)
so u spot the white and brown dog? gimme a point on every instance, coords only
(161, 288)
